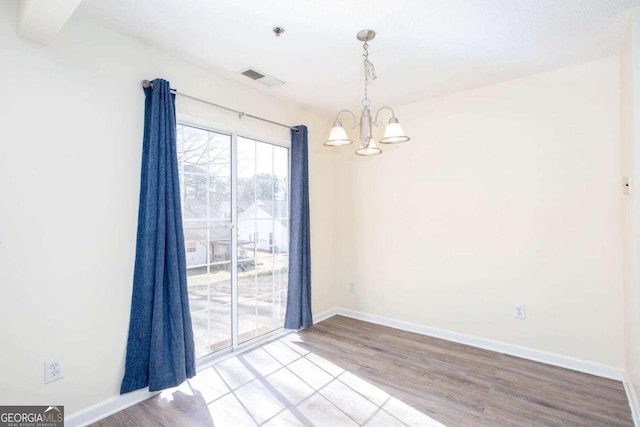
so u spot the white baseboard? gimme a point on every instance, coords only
(633, 400)
(107, 407)
(500, 347)
(317, 318)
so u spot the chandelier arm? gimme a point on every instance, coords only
(353, 117)
(376, 122)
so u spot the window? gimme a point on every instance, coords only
(191, 246)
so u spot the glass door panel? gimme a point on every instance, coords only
(262, 209)
(204, 160)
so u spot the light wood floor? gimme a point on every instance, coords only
(344, 372)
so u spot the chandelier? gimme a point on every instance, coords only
(393, 133)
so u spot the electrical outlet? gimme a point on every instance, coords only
(53, 370)
(519, 311)
(352, 287)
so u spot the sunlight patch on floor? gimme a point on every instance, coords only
(283, 384)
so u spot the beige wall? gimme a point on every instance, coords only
(630, 132)
(72, 118)
(507, 194)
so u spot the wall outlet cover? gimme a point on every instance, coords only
(519, 311)
(53, 370)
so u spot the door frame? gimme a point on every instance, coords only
(233, 226)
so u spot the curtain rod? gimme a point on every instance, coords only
(241, 114)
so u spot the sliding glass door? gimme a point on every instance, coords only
(235, 217)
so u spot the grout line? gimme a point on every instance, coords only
(321, 368)
(348, 386)
(376, 412)
(333, 404)
(396, 418)
(243, 405)
(232, 390)
(222, 379)
(277, 394)
(296, 359)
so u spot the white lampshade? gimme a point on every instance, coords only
(338, 136)
(370, 150)
(394, 134)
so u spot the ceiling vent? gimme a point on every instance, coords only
(262, 78)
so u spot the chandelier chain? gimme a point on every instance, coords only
(369, 74)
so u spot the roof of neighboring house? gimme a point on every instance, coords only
(195, 213)
(197, 208)
(194, 217)
(272, 208)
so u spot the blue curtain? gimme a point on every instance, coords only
(160, 349)
(298, 315)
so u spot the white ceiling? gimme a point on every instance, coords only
(423, 48)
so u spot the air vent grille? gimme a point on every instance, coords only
(262, 78)
(253, 74)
